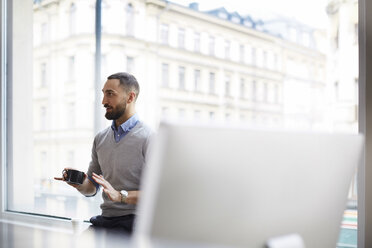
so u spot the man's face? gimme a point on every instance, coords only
(114, 99)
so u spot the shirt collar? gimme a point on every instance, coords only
(128, 125)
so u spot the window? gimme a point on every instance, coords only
(181, 113)
(265, 92)
(129, 20)
(276, 64)
(197, 42)
(130, 64)
(164, 112)
(71, 68)
(164, 28)
(227, 86)
(264, 59)
(63, 53)
(197, 115)
(211, 45)
(212, 86)
(276, 93)
(44, 32)
(44, 175)
(197, 80)
(241, 53)
(72, 19)
(181, 38)
(43, 75)
(70, 159)
(70, 117)
(337, 90)
(253, 56)
(227, 49)
(165, 75)
(242, 88)
(254, 91)
(181, 78)
(43, 118)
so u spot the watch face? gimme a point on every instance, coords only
(124, 195)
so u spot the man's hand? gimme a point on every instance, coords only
(113, 194)
(64, 175)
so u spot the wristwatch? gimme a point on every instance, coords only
(124, 195)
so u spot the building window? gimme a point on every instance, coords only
(197, 80)
(212, 83)
(43, 74)
(164, 33)
(276, 63)
(242, 88)
(197, 115)
(211, 115)
(181, 38)
(241, 53)
(72, 19)
(43, 167)
(71, 68)
(44, 32)
(337, 90)
(265, 92)
(165, 75)
(276, 93)
(181, 113)
(253, 56)
(181, 77)
(70, 115)
(211, 45)
(70, 159)
(227, 49)
(227, 86)
(130, 20)
(43, 118)
(254, 91)
(165, 112)
(130, 64)
(197, 42)
(264, 59)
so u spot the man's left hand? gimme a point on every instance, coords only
(113, 194)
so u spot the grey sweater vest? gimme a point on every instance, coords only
(120, 164)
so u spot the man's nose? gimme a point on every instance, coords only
(104, 100)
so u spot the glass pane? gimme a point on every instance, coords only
(261, 63)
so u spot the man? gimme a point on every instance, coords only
(118, 155)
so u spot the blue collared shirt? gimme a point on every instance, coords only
(124, 128)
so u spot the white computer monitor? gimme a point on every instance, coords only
(241, 187)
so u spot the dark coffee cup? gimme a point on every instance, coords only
(73, 176)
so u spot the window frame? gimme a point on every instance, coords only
(7, 58)
(7, 29)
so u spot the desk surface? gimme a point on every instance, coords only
(17, 234)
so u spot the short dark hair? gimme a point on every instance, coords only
(127, 81)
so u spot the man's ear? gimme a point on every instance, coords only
(131, 97)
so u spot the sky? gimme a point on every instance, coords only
(310, 12)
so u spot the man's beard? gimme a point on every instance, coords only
(116, 112)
